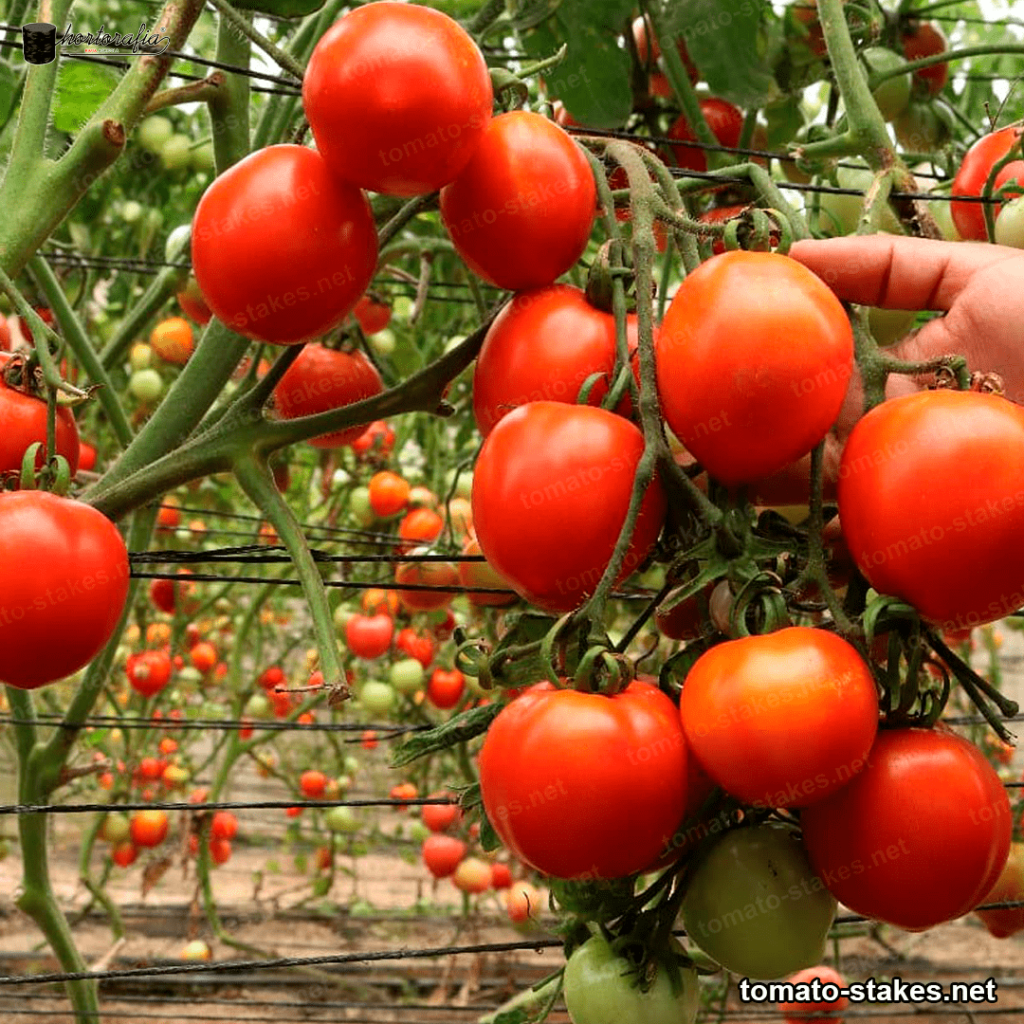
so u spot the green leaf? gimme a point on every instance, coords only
(473, 722)
(724, 39)
(489, 840)
(81, 87)
(593, 80)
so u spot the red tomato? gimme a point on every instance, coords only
(220, 851)
(585, 786)
(86, 456)
(168, 517)
(403, 791)
(378, 437)
(542, 347)
(23, 423)
(520, 214)
(224, 825)
(420, 647)
(124, 854)
(501, 876)
(263, 259)
(169, 595)
(724, 120)
(369, 740)
(171, 339)
(537, 470)
(151, 768)
(420, 526)
(482, 574)
(975, 168)
(780, 720)
(321, 379)
(1009, 888)
(925, 39)
(194, 306)
(931, 497)
(312, 783)
(373, 316)
(435, 575)
(63, 580)
(808, 1009)
(376, 600)
(5, 335)
(806, 12)
(389, 493)
(369, 636)
(148, 672)
(442, 854)
(745, 405)
(398, 97)
(149, 828)
(658, 83)
(446, 688)
(876, 842)
(441, 817)
(203, 656)
(272, 677)
(45, 314)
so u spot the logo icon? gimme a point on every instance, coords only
(39, 42)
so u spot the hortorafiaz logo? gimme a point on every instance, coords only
(39, 41)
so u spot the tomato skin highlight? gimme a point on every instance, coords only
(63, 573)
(745, 405)
(388, 78)
(875, 841)
(970, 179)
(551, 489)
(783, 719)
(931, 489)
(582, 785)
(521, 212)
(282, 250)
(321, 379)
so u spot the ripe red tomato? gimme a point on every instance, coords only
(581, 785)
(203, 656)
(378, 437)
(63, 574)
(263, 259)
(970, 179)
(398, 97)
(168, 595)
(743, 404)
(224, 825)
(542, 347)
(420, 647)
(86, 456)
(780, 720)
(171, 340)
(724, 120)
(389, 493)
(322, 378)
(5, 335)
(435, 575)
(220, 851)
(420, 526)
(520, 214)
(312, 783)
(23, 423)
(149, 828)
(373, 315)
(45, 314)
(925, 39)
(648, 56)
(1009, 888)
(809, 1008)
(446, 688)
(369, 636)
(875, 842)
(501, 876)
(539, 467)
(441, 817)
(192, 303)
(442, 854)
(931, 497)
(148, 672)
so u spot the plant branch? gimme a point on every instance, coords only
(192, 92)
(284, 60)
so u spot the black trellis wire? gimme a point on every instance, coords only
(386, 730)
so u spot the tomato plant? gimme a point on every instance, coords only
(925, 39)
(974, 171)
(446, 688)
(389, 493)
(724, 120)
(23, 424)
(149, 828)
(171, 340)
(369, 636)
(873, 842)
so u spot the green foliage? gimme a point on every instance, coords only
(463, 727)
(81, 87)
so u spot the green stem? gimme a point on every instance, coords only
(947, 55)
(163, 286)
(229, 109)
(74, 334)
(486, 16)
(243, 26)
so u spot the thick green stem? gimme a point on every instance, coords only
(243, 25)
(229, 110)
(74, 334)
(37, 898)
(163, 286)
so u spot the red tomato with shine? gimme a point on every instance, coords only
(435, 575)
(64, 582)
(916, 838)
(551, 488)
(442, 854)
(970, 179)
(925, 39)
(369, 636)
(807, 1010)
(389, 493)
(542, 347)
(281, 249)
(322, 379)
(149, 672)
(420, 647)
(149, 828)
(742, 402)
(446, 688)
(581, 785)
(520, 214)
(23, 423)
(378, 437)
(783, 719)
(725, 122)
(398, 97)
(931, 498)
(373, 316)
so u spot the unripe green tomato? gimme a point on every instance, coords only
(201, 157)
(177, 242)
(131, 211)
(146, 385)
(154, 219)
(189, 676)
(407, 675)
(342, 820)
(942, 211)
(176, 152)
(257, 706)
(454, 342)
(1010, 224)
(115, 828)
(140, 356)
(464, 488)
(893, 95)
(377, 698)
(755, 905)
(923, 128)
(359, 505)
(889, 325)
(341, 617)
(402, 307)
(351, 764)
(344, 782)
(601, 987)
(418, 832)
(153, 132)
(383, 342)
(840, 213)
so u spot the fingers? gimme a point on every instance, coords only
(897, 272)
